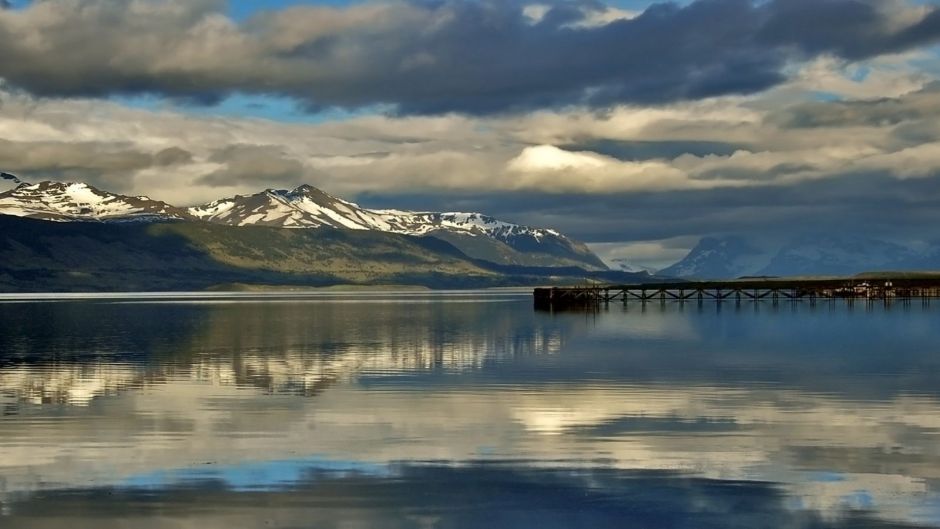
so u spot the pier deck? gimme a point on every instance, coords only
(774, 290)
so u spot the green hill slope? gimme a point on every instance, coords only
(48, 256)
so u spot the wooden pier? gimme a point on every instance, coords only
(772, 290)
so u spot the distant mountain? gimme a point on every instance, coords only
(60, 201)
(625, 265)
(42, 256)
(104, 241)
(477, 235)
(716, 258)
(806, 255)
(828, 255)
(38, 255)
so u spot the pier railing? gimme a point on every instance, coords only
(773, 290)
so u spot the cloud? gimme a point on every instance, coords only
(885, 111)
(172, 156)
(551, 158)
(438, 57)
(99, 163)
(552, 169)
(255, 164)
(754, 166)
(655, 255)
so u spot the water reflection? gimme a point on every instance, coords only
(666, 417)
(418, 496)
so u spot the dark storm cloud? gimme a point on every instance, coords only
(255, 164)
(651, 150)
(872, 204)
(430, 57)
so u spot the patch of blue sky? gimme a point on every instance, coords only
(270, 107)
(819, 95)
(261, 475)
(641, 5)
(243, 9)
(859, 73)
(928, 61)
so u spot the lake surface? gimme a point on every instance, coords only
(465, 410)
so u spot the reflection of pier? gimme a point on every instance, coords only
(773, 290)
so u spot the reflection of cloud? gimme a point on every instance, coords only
(339, 494)
(663, 390)
(183, 423)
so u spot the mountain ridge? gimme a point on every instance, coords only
(41, 256)
(478, 235)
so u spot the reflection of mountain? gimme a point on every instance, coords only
(293, 348)
(75, 384)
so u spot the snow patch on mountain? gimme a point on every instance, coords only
(478, 236)
(308, 207)
(66, 201)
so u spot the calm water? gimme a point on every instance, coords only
(465, 410)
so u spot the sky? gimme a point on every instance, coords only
(634, 126)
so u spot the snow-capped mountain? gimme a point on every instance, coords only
(476, 235)
(304, 207)
(309, 207)
(68, 201)
(806, 255)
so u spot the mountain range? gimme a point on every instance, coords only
(73, 236)
(804, 255)
(70, 235)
